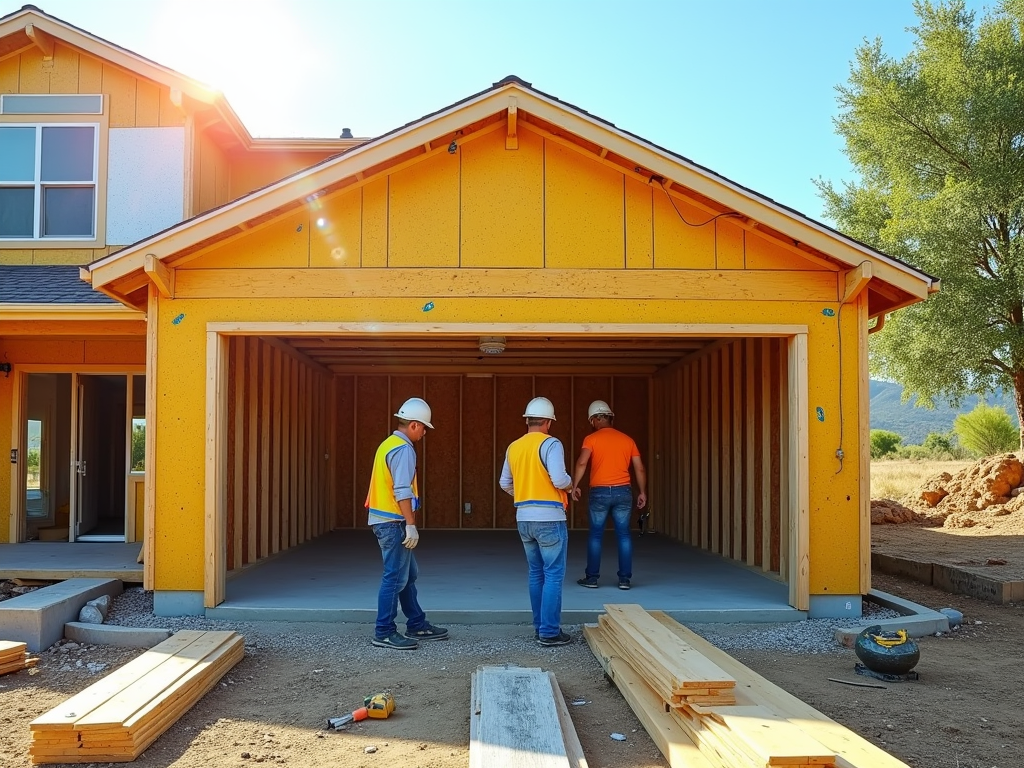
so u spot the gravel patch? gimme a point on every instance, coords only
(134, 608)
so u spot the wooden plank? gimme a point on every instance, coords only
(771, 739)
(215, 502)
(704, 513)
(688, 668)
(149, 488)
(737, 449)
(766, 454)
(129, 701)
(573, 748)
(798, 518)
(264, 471)
(519, 726)
(863, 458)
(296, 477)
(852, 751)
(64, 716)
(662, 727)
(715, 477)
(252, 448)
(285, 452)
(275, 453)
(726, 509)
(238, 496)
(370, 282)
(749, 449)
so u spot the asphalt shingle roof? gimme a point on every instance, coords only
(50, 284)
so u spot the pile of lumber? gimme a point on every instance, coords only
(118, 717)
(670, 666)
(518, 717)
(14, 657)
(765, 727)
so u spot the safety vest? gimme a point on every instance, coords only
(380, 499)
(530, 479)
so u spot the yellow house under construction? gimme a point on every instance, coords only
(267, 333)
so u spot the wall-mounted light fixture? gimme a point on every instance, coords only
(454, 146)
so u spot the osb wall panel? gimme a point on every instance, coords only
(475, 419)
(478, 452)
(443, 459)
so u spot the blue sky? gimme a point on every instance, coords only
(743, 87)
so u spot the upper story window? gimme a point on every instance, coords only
(48, 181)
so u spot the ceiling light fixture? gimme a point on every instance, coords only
(492, 345)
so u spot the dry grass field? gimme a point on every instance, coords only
(896, 479)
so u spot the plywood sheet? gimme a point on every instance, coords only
(441, 466)
(479, 478)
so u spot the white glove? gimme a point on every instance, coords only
(412, 537)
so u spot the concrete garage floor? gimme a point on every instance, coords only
(60, 560)
(481, 577)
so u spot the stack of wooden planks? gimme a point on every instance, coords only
(118, 717)
(672, 668)
(14, 657)
(764, 728)
(518, 718)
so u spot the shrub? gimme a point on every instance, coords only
(883, 443)
(987, 430)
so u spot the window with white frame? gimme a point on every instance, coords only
(48, 176)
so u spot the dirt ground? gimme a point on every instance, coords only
(964, 712)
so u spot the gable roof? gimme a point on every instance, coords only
(512, 101)
(30, 26)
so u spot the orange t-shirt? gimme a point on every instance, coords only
(611, 453)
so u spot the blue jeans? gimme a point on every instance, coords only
(617, 501)
(398, 583)
(546, 545)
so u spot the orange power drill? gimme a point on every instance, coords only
(377, 706)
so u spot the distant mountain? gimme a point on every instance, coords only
(914, 423)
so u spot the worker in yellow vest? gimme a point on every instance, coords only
(392, 503)
(534, 475)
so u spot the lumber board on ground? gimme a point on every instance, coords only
(663, 728)
(573, 748)
(117, 718)
(63, 717)
(852, 750)
(653, 642)
(518, 724)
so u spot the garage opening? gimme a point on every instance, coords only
(303, 415)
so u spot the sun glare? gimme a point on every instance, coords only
(250, 51)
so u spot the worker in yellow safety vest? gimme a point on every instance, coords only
(392, 503)
(534, 475)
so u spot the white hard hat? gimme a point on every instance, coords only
(540, 408)
(598, 408)
(415, 409)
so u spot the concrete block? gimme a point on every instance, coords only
(902, 566)
(38, 618)
(110, 634)
(962, 582)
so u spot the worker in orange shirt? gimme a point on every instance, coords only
(610, 453)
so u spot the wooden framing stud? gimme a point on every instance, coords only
(511, 139)
(41, 39)
(162, 277)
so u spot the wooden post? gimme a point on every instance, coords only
(863, 458)
(799, 500)
(727, 510)
(765, 403)
(737, 449)
(149, 515)
(215, 573)
(749, 465)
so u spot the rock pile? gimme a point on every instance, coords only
(889, 512)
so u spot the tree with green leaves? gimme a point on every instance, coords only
(884, 442)
(937, 140)
(986, 430)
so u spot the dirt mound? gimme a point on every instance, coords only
(889, 512)
(988, 493)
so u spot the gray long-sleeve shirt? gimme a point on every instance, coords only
(552, 455)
